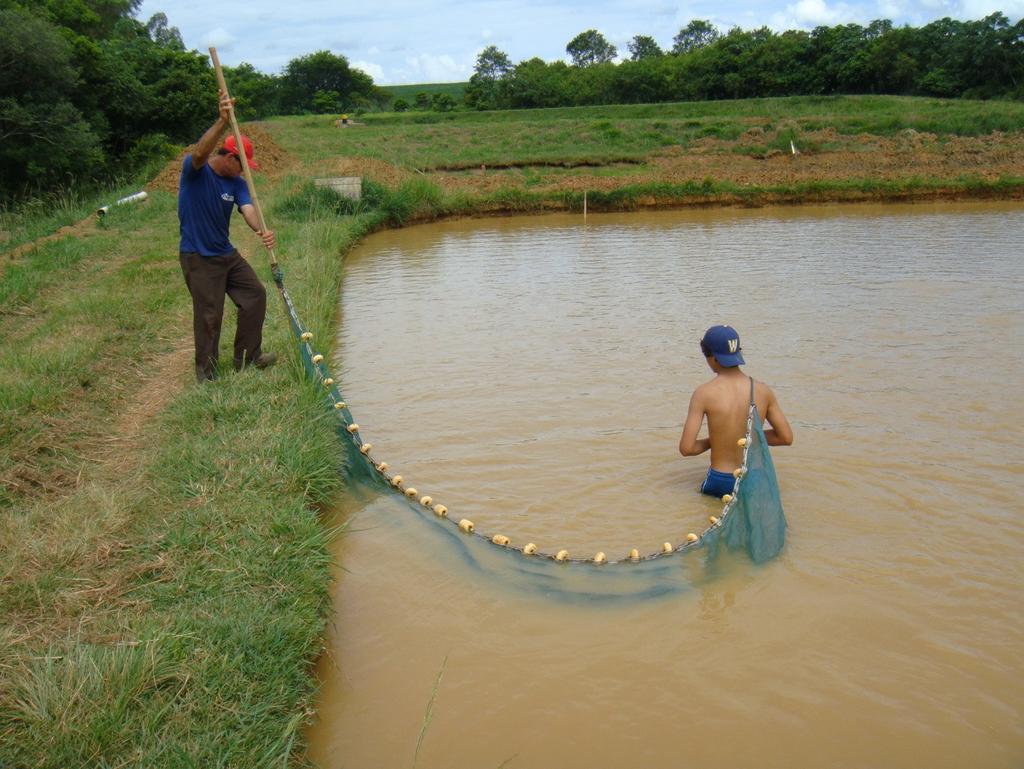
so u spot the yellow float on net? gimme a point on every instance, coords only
(339, 405)
(318, 358)
(741, 442)
(411, 492)
(466, 525)
(397, 480)
(530, 549)
(440, 511)
(727, 498)
(365, 448)
(382, 467)
(713, 520)
(737, 472)
(501, 539)
(426, 501)
(634, 554)
(306, 336)
(561, 555)
(691, 537)
(667, 547)
(600, 558)
(328, 382)
(353, 428)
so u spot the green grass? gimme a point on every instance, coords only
(610, 134)
(166, 614)
(409, 92)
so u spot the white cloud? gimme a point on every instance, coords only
(218, 38)
(979, 9)
(814, 13)
(373, 70)
(432, 68)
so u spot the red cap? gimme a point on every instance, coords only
(232, 148)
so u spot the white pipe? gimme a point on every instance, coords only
(130, 199)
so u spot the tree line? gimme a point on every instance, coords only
(88, 93)
(973, 59)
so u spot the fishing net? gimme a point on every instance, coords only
(751, 519)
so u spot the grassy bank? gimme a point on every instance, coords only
(602, 135)
(163, 565)
(164, 559)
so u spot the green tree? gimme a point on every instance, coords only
(422, 100)
(257, 95)
(490, 75)
(93, 19)
(643, 47)
(87, 91)
(322, 71)
(401, 105)
(492, 63)
(325, 102)
(161, 33)
(442, 102)
(44, 138)
(841, 54)
(695, 35)
(590, 48)
(643, 82)
(537, 84)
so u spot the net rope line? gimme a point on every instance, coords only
(350, 431)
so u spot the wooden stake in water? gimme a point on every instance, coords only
(241, 153)
(584, 205)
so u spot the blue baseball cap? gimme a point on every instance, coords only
(724, 343)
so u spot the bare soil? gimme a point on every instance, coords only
(273, 160)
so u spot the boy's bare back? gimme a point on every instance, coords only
(724, 402)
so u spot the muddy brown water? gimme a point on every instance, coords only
(533, 374)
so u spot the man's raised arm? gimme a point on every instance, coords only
(209, 140)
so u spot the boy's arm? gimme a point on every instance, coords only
(689, 446)
(780, 433)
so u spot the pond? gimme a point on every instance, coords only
(533, 374)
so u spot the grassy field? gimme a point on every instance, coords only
(164, 563)
(409, 92)
(598, 134)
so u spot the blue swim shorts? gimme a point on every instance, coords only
(717, 483)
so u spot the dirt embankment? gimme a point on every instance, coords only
(273, 160)
(822, 156)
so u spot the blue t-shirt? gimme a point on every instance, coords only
(205, 201)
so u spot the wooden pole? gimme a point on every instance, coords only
(241, 154)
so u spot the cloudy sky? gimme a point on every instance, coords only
(436, 41)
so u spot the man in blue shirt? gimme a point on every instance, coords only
(211, 186)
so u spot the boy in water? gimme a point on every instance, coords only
(725, 401)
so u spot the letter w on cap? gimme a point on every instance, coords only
(733, 344)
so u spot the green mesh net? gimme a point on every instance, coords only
(751, 519)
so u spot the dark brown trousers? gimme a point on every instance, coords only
(208, 279)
